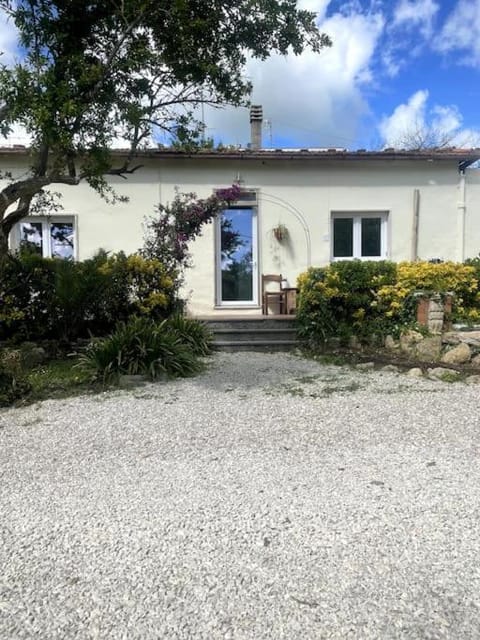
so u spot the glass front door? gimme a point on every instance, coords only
(237, 280)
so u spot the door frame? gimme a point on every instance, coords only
(225, 304)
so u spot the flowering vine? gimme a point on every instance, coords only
(176, 224)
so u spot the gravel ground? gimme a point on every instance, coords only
(269, 498)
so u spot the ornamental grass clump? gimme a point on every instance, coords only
(142, 346)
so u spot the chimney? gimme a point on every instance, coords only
(256, 118)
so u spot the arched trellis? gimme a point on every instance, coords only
(269, 197)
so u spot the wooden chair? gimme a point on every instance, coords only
(277, 298)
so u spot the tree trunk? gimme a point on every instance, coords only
(3, 245)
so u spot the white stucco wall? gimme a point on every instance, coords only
(300, 194)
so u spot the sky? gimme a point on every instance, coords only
(396, 67)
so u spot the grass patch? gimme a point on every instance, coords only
(346, 388)
(59, 379)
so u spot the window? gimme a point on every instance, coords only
(52, 237)
(359, 235)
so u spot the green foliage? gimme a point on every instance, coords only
(340, 300)
(145, 347)
(196, 335)
(169, 233)
(52, 298)
(13, 381)
(376, 298)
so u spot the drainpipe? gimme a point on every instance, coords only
(416, 216)
(462, 208)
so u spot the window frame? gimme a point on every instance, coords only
(47, 222)
(357, 217)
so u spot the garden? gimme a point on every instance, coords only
(68, 327)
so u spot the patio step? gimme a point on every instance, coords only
(253, 334)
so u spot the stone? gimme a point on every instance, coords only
(32, 355)
(458, 355)
(391, 344)
(365, 366)
(390, 367)
(476, 360)
(429, 349)
(435, 314)
(441, 373)
(354, 343)
(451, 337)
(471, 338)
(416, 372)
(473, 380)
(409, 340)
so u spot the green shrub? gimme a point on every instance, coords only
(340, 300)
(13, 381)
(140, 346)
(51, 298)
(193, 334)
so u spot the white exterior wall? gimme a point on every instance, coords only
(300, 194)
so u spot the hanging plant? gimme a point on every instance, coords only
(280, 232)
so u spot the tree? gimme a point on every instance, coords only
(93, 71)
(420, 136)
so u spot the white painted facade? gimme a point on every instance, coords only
(304, 192)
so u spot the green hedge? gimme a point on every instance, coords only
(51, 298)
(371, 298)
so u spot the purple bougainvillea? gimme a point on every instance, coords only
(169, 232)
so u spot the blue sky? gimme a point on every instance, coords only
(395, 67)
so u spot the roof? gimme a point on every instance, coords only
(463, 157)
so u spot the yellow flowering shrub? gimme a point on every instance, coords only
(367, 298)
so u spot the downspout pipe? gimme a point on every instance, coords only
(462, 208)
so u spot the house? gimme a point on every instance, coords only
(300, 207)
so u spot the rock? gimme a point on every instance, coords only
(458, 355)
(429, 349)
(391, 344)
(440, 373)
(354, 343)
(390, 367)
(32, 355)
(471, 338)
(473, 380)
(476, 360)
(365, 366)
(416, 372)
(409, 340)
(451, 337)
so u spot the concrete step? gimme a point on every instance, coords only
(251, 324)
(257, 345)
(257, 333)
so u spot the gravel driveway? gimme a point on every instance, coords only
(269, 498)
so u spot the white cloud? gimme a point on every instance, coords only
(415, 124)
(8, 39)
(418, 13)
(310, 100)
(461, 32)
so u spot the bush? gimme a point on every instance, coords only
(340, 300)
(377, 298)
(143, 346)
(44, 298)
(13, 382)
(193, 333)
